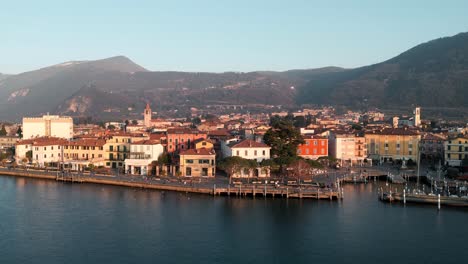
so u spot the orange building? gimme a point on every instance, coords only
(182, 138)
(313, 148)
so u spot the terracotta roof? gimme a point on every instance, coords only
(436, 137)
(219, 132)
(158, 136)
(201, 151)
(87, 142)
(201, 139)
(395, 131)
(313, 137)
(147, 142)
(40, 140)
(249, 144)
(184, 131)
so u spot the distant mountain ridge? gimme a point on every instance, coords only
(433, 74)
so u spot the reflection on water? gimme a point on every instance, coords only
(50, 222)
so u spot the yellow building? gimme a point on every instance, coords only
(117, 148)
(198, 163)
(81, 153)
(393, 144)
(203, 143)
(456, 149)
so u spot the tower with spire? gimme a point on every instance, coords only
(147, 116)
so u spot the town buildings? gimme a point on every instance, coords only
(314, 147)
(143, 154)
(348, 148)
(80, 154)
(7, 142)
(197, 162)
(432, 146)
(247, 149)
(456, 150)
(393, 144)
(182, 138)
(48, 126)
(117, 148)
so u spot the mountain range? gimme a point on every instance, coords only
(432, 74)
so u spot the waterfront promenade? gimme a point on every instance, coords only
(209, 186)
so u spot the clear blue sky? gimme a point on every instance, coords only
(221, 35)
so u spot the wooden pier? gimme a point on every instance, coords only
(238, 190)
(280, 192)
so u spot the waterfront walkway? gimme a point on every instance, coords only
(211, 186)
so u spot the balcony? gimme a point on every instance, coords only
(139, 155)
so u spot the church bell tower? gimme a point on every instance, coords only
(147, 116)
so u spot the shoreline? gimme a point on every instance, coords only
(235, 190)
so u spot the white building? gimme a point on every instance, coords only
(48, 126)
(42, 150)
(21, 149)
(248, 149)
(347, 147)
(142, 154)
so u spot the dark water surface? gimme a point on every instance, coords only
(49, 222)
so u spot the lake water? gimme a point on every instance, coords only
(50, 222)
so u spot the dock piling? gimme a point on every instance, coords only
(438, 202)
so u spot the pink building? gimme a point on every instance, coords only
(182, 138)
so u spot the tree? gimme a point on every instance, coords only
(300, 121)
(356, 127)
(165, 158)
(283, 138)
(299, 169)
(29, 155)
(196, 121)
(233, 165)
(127, 122)
(111, 127)
(134, 122)
(19, 132)
(3, 131)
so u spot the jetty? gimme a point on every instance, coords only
(417, 196)
(187, 185)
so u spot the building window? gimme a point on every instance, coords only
(322, 151)
(323, 143)
(307, 151)
(45, 155)
(255, 153)
(189, 161)
(237, 152)
(315, 143)
(315, 151)
(307, 142)
(246, 152)
(263, 153)
(298, 152)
